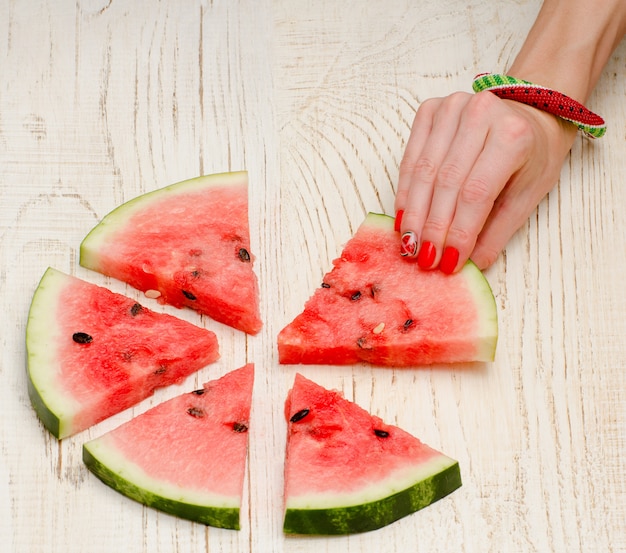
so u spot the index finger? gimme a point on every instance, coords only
(420, 131)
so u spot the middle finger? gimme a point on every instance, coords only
(445, 123)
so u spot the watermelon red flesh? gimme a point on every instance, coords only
(187, 244)
(376, 306)
(130, 351)
(185, 456)
(347, 471)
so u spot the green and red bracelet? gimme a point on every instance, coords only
(542, 98)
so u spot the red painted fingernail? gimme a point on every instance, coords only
(426, 257)
(449, 259)
(398, 222)
(408, 244)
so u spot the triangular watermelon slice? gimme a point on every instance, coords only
(93, 353)
(377, 307)
(187, 244)
(186, 456)
(346, 471)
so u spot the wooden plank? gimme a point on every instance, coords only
(101, 101)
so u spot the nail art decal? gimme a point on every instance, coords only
(408, 244)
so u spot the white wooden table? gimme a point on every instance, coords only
(101, 100)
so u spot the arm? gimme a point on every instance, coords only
(570, 43)
(476, 166)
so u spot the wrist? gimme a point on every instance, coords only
(554, 70)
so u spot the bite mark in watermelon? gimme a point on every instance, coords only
(187, 244)
(185, 456)
(346, 471)
(93, 353)
(375, 306)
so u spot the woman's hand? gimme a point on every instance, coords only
(474, 169)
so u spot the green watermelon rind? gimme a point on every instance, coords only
(54, 407)
(114, 220)
(49, 419)
(372, 515)
(487, 311)
(130, 480)
(477, 284)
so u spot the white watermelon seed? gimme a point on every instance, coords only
(379, 328)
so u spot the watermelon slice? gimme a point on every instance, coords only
(377, 307)
(93, 353)
(346, 471)
(187, 244)
(186, 456)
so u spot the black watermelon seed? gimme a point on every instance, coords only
(82, 338)
(361, 342)
(381, 433)
(244, 255)
(195, 412)
(355, 296)
(188, 295)
(199, 392)
(299, 415)
(195, 273)
(408, 323)
(161, 370)
(240, 427)
(136, 308)
(325, 285)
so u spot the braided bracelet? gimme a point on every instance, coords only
(542, 98)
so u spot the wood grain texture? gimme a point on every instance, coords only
(102, 100)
